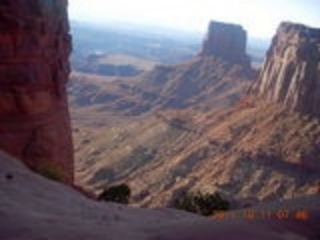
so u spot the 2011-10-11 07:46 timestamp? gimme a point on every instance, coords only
(282, 214)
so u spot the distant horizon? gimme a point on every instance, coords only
(260, 18)
(156, 27)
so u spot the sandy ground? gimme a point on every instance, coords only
(32, 207)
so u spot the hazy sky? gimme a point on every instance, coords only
(259, 17)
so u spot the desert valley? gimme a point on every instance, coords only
(210, 123)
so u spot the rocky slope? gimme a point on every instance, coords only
(244, 153)
(34, 49)
(291, 72)
(204, 83)
(32, 207)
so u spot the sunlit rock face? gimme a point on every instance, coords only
(34, 121)
(291, 72)
(226, 41)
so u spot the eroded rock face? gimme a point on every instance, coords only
(226, 41)
(291, 72)
(34, 121)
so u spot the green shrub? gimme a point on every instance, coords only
(179, 123)
(202, 203)
(119, 194)
(51, 171)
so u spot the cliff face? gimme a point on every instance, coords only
(291, 72)
(226, 41)
(34, 119)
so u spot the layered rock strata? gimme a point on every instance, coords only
(34, 121)
(226, 41)
(291, 72)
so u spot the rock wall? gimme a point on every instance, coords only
(291, 72)
(226, 41)
(34, 121)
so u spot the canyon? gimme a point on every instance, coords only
(209, 124)
(202, 126)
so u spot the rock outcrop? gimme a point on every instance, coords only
(226, 41)
(34, 121)
(291, 72)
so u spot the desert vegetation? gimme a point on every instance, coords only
(118, 194)
(51, 171)
(201, 203)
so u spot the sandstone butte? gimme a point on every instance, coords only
(291, 72)
(34, 120)
(226, 41)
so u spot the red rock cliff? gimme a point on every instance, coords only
(34, 121)
(226, 41)
(291, 72)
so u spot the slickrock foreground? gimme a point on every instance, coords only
(33, 208)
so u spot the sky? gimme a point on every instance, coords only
(259, 17)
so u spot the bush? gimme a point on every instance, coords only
(119, 194)
(179, 123)
(51, 171)
(202, 203)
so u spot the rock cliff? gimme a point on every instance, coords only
(34, 119)
(226, 41)
(291, 72)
